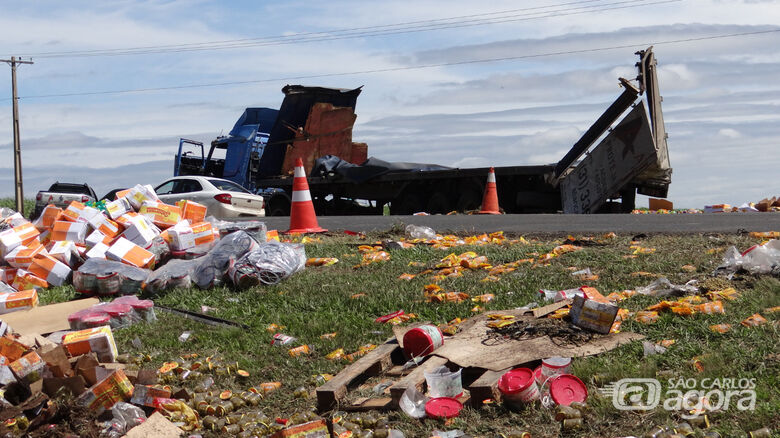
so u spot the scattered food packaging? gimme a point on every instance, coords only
(192, 211)
(116, 209)
(28, 367)
(71, 231)
(646, 316)
(754, 320)
(144, 395)
(50, 269)
(129, 253)
(98, 340)
(161, 214)
(103, 395)
(22, 300)
(27, 280)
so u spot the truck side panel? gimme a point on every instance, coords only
(625, 152)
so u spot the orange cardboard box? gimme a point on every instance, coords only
(7, 274)
(50, 269)
(26, 299)
(27, 280)
(161, 214)
(28, 367)
(73, 211)
(660, 204)
(105, 225)
(105, 394)
(98, 340)
(183, 237)
(49, 215)
(22, 256)
(116, 209)
(192, 211)
(122, 193)
(11, 349)
(128, 252)
(16, 236)
(72, 231)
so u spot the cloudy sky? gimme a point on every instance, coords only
(545, 70)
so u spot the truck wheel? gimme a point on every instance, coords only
(407, 203)
(278, 206)
(439, 203)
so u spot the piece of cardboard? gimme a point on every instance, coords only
(43, 320)
(74, 385)
(157, 426)
(550, 308)
(147, 377)
(57, 360)
(472, 347)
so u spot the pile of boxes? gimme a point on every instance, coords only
(135, 229)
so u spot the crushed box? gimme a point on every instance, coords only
(28, 367)
(129, 253)
(22, 300)
(50, 269)
(98, 340)
(103, 395)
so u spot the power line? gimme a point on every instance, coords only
(415, 67)
(372, 31)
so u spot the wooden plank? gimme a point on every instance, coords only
(373, 363)
(371, 404)
(485, 386)
(397, 371)
(416, 377)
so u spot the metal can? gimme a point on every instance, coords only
(701, 421)
(566, 412)
(109, 284)
(764, 432)
(423, 340)
(572, 423)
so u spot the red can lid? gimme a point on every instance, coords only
(142, 304)
(77, 316)
(443, 407)
(117, 309)
(516, 380)
(567, 388)
(417, 343)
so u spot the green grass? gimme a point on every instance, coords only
(29, 205)
(318, 301)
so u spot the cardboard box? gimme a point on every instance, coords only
(129, 253)
(50, 269)
(103, 395)
(121, 194)
(98, 340)
(593, 315)
(27, 280)
(96, 237)
(97, 252)
(49, 215)
(6, 375)
(42, 320)
(28, 368)
(183, 238)
(20, 235)
(22, 256)
(312, 429)
(139, 194)
(11, 349)
(161, 214)
(57, 360)
(71, 231)
(105, 225)
(14, 220)
(117, 208)
(65, 251)
(7, 274)
(138, 231)
(22, 300)
(192, 211)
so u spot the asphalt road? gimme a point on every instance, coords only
(555, 223)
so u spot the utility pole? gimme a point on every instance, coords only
(18, 191)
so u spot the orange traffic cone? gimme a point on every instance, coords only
(302, 216)
(490, 198)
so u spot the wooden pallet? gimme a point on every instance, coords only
(386, 360)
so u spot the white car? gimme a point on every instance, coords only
(224, 199)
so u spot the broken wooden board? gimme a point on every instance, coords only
(469, 349)
(372, 364)
(46, 319)
(550, 308)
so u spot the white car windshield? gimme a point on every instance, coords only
(228, 186)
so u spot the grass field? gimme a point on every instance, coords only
(319, 300)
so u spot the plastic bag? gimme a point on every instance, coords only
(126, 417)
(107, 277)
(413, 403)
(175, 273)
(420, 232)
(210, 269)
(663, 287)
(270, 263)
(256, 229)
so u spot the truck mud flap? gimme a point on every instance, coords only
(620, 157)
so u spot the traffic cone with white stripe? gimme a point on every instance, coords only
(490, 198)
(302, 216)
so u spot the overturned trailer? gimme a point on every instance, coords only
(315, 124)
